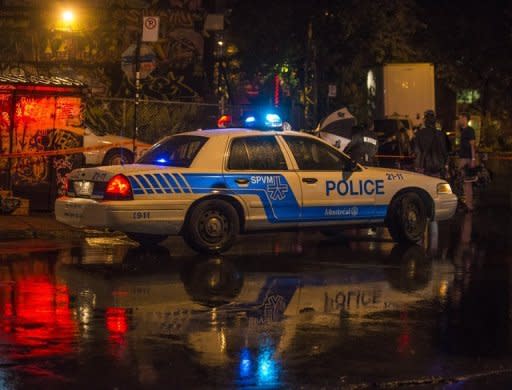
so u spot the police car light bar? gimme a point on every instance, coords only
(250, 120)
(273, 120)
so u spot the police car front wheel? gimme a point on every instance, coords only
(212, 226)
(407, 218)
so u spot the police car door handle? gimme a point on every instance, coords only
(309, 180)
(242, 181)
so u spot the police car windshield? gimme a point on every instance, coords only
(177, 151)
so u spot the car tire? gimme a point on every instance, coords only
(407, 218)
(212, 226)
(118, 157)
(145, 239)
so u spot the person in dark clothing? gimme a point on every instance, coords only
(467, 156)
(430, 148)
(363, 145)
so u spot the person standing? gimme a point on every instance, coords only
(430, 148)
(467, 157)
(363, 145)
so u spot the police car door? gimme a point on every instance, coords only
(257, 171)
(330, 191)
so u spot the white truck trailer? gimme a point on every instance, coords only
(404, 90)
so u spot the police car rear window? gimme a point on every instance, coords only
(177, 151)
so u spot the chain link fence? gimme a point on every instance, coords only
(157, 118)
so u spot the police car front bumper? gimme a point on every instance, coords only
(445, 206)
(137, 216)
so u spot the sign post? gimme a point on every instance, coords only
(139, 60)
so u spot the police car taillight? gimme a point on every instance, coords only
(118, 188)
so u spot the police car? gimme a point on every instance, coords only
(211, 185)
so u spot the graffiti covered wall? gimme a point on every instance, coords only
(90, 49)
(35, 122)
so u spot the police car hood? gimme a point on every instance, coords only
(104, 173)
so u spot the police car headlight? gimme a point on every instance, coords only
(444, 188)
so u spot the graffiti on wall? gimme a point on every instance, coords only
(39, 123)
(102, 35)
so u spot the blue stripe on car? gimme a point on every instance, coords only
(154, 184)
(145, 184)
(163, 183)
(171, 180)
(137, 190)
(182, 183)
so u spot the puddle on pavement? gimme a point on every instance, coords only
(299, 309)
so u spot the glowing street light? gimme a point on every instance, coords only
(68, 16)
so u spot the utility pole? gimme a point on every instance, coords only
(310, 81)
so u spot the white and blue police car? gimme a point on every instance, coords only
(211, 185)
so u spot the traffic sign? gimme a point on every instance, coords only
(150, 26)
(147, 61)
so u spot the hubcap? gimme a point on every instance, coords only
(213, 226)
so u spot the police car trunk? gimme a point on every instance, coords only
(109, 197)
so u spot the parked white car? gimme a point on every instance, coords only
(111, 149)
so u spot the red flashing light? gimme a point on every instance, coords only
(224, 121)
(118, 188)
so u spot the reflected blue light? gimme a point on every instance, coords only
(267, 367)
(250, 120)
(162, 161)
(245, 363)
(273, 120)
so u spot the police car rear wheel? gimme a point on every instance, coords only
(212, 226)
(407, 218)
(146, 239)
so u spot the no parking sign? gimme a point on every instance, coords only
(150, 25)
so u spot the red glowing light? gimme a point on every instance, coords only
(117, 323)
(277, 85)
(38, 318)
(224, 121)
(118, 188)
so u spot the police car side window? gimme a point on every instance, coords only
(312, 155)
(256, 153)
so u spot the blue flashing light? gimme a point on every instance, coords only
(273, 120)
(162, 161)
(250, 120)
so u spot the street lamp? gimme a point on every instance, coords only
(68, 16)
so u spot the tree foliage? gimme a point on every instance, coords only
(469, 42)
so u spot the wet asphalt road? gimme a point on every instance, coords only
(292, 310)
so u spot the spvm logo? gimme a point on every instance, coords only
(277, 187)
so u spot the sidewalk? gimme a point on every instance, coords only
(42, 225)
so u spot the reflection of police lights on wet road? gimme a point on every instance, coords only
(265, 370)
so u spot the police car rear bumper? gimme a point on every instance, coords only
(445, 206)
(137, 217)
